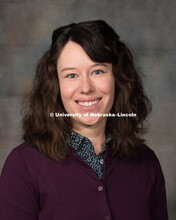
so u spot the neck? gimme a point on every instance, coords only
(96, 134)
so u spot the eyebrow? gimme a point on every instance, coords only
(67, 68)
(72, 68)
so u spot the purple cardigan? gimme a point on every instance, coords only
(36, 187)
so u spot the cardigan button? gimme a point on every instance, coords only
(100, 188)
(101, 161)
(107, 217)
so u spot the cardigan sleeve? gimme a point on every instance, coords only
(158, 197)
(18, 194)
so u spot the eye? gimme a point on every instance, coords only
(96, 72)
(71, 75)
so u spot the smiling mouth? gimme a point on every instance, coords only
(88, 104)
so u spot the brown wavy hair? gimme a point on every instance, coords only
(50, 134)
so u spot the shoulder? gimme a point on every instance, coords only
(145, 154)
(25, 160)
(28, 153)
(19, 155)
(23, 153)
(25, 149)
(148, 158)
(145, 161)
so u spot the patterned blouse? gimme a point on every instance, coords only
(84, 148)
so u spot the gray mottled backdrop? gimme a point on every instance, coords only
(147, 26)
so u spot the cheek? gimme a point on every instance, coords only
(66, 93)
(107, 87)
(66, 90)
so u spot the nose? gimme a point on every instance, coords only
(86, 85)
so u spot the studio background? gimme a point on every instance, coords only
(147, 27)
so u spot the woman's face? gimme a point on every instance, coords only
(85, 86)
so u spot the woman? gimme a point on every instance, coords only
(86, 166)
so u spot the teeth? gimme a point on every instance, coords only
(89, 103)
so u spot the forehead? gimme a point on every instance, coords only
(73, 55)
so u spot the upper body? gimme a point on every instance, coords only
(88, 72)
(36, 187)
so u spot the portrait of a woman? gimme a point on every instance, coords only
(84, 156)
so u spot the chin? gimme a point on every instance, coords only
(90, 121)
